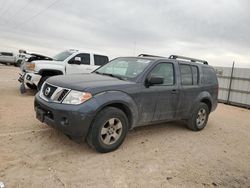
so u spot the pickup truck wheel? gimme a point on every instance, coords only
(199, 117)
(108, 130)
(40, 83)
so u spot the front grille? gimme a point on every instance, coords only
(53, 93)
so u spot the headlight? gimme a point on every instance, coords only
(30, 66)
(77, 97)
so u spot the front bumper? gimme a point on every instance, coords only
(72, 120)
(30, 78)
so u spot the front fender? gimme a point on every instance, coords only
(118, 97)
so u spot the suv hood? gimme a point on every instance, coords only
(89, 82)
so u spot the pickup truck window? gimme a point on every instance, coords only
(125, 67)
(101, 60)
(85, 58)
(62, 56)
(165, 70)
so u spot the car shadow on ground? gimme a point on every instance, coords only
(56, 138)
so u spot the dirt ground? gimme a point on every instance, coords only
(166, 155)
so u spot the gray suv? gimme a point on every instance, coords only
(125, 93)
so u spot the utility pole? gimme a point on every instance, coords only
(230, 84)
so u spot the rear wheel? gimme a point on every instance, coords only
(108, 130)
(199, 117)
(40, 83)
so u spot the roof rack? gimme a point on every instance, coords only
(187, 58)
(148, 55)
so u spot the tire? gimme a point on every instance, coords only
(40, 83)
(31, 86)
(18, 63)
(199, 117)
(109, 123)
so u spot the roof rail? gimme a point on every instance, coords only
(148, 55)
(187, 58)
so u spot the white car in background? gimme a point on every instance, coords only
(7, 58)
(67, 62)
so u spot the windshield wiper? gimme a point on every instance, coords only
(111, 75)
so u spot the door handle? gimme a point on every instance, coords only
(174, 91)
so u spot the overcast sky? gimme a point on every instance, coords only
(215, 30)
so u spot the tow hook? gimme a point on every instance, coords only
(22, 86)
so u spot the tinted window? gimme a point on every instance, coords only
(165, 70)
(209, 75)
(7, 54)
(195, 75)
(85, 58)
(186, 75)
(101, 60)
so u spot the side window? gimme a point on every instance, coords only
(186, 75)
(7, 54)
(195, 75)
(166, 70)
(85, 58)
(100, 60)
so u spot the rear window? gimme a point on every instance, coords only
(209, 76)
(100, 60)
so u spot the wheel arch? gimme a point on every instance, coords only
(208, 102)
(121, 101)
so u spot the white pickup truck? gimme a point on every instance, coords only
(34, 73)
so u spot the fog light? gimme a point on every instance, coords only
(64, 121)
(28, 77)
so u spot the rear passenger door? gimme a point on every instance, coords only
(167, 94)
(190, 88)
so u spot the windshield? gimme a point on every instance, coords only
(62, 56)
(124, 67)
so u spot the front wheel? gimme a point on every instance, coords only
(108, 130)
(199, 117)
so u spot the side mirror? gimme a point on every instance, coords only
(76, 61)
(154, 80)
